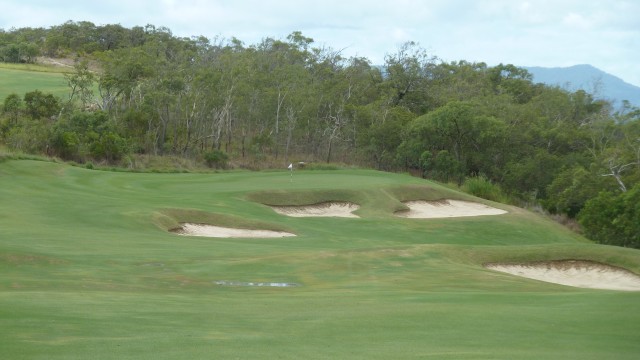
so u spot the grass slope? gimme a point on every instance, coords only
(89, 271)
(20, 79)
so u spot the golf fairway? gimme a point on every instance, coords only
(91, 270)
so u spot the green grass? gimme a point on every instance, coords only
(89, 271)
(20, 79)
(36, 68)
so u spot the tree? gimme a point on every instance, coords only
(123, 71)
(571, 189)
(459, 81)
(381, 139)
(39, 105)
(513, 81)
(29, 52)
(88, 135)
(407, 72)
(443, 167)
(10, 53)
(13, 107)
(111, 36)
(470, 137)
(613, 219)
(530, 177)
(80, 83)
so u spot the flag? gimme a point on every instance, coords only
(291, 166)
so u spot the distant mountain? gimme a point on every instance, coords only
(590, 79)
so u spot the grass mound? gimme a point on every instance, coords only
(305, 197)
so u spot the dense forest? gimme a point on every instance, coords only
(145, 92)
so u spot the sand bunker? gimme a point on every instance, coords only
(328, 209)
(446, 208)
(189, 229)
(584, 274)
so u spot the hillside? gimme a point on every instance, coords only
(255, 106)
(93, 268)
(590, 79)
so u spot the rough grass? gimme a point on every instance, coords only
(89, 271)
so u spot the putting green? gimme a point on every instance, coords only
(90, 269)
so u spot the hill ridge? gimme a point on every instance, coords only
(590, 79)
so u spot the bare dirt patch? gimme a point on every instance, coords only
(327, 209)
(576, 273)
(446, 208)
(189, 229)
(61, 62)
(66, 63)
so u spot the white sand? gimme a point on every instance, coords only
(584, 274)
(328, 209)
(446, 208)
(189, 229)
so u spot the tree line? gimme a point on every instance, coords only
(220, 101)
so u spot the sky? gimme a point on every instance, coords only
(549, 33)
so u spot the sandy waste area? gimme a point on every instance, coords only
(446, 208)
(583, 274)
(328, 209)
(189, 229)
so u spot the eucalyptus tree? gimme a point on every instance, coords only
(13, 108)
(226, 75)
(124, 72)
(459, 81)
(283, 79)
(408, 73)
(471, 138)
(80, 83)
(613, 218)
(512, 80)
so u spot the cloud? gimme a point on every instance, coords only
(576, 21)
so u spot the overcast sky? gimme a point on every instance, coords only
(603, 33)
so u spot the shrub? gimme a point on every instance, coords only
(109, 146)
(482, 187)
(217, 159)
(443, 167)
(613, 219)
